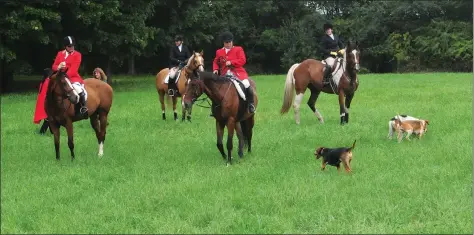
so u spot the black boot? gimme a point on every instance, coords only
(83, 103)
(327, 73)
(171, 87)
(250, 100)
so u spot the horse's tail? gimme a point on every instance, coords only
(289, 89)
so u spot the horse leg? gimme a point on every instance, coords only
(70, 137)
(175, 100)
(220, 134)
(312, 101)
(189, 113)
(342, 107)
(103, 131)
(162, 101)
(230, 136)
(54, 127)
(183, 110)
(94, 119)
(251, 122)
(348, 105)
(296, 106)
(240, 136)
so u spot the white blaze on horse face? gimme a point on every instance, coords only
(354, 52)
(201, 63)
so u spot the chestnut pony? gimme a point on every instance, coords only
(309, 74)
(62, 111)
(228, 109)
(195, 62)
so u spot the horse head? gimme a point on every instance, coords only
(353, 55)
(196, 62)
(194, 89)
(62, 87)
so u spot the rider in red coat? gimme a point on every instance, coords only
(231, 60)
(71, 59)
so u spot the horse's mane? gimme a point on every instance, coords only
(190, 59)
(210, 76)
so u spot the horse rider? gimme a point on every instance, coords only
(70, 59)
(179, 55)
(331, 47)
(233, 65)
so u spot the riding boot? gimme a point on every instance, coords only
(82, 101)
(250, 100)
(327, 73)
(171, 86)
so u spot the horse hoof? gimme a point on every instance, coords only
(100, 155)
(227, 164)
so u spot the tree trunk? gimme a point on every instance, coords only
(109, 71)
(131, 65)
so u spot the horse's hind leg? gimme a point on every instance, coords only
(102, 132)
(175, 100)
(240, 136)
(250, 124)
(70, 137)
(342, 107)
(230, 136)
(312, 101)
(162, 101)
(94, 119)
(220, 134)
(54, 127)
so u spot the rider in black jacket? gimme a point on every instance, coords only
(331, 47)
(179, 55)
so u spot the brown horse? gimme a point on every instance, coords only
(228, 109)
(195, 62)
(60, 105)
(309, 74)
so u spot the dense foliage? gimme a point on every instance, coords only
(133, 36)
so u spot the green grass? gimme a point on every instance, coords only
(168, 177)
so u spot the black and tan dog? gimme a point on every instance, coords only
(334, 156)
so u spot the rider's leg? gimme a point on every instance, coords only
(249, 93)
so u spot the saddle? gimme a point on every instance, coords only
(172, 86)
(330, 70)
(239, 86)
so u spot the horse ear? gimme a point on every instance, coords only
(202, 52)
(357, 43)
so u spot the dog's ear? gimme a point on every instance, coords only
(427, 122)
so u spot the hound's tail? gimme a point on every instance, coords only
(353, 145)
(289, 95)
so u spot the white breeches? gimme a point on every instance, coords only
(78, 87)
(330, 60)
(171, 74)
(246, 83)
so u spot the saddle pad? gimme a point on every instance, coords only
(240, 88)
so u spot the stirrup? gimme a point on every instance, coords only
(83, 110)
(170, 92)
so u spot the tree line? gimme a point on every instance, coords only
(134, 36)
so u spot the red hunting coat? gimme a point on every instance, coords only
(236, 56)
(73, 61)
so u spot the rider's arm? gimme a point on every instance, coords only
(241, 59)
(57, 61)
(172, 56)
(73, 65)
(215, 66)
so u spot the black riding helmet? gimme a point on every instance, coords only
(227, 37)
(178, 38)
(327, 26)
(69, 41)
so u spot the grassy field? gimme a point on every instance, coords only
(168, 177)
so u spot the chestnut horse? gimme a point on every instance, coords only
(195, 62)
(309, 74)
(229, 109)
(60, 106)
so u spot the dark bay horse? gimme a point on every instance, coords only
(229, 109)
(62, 111)
(309, 74)
(195, 62)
